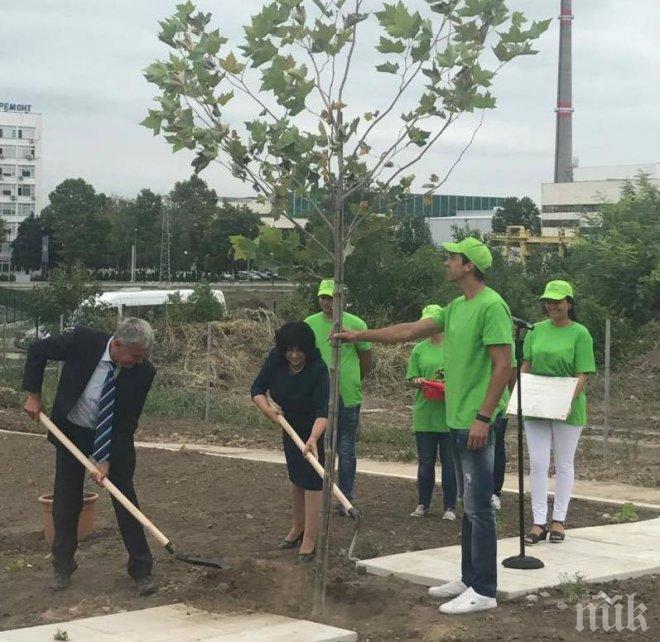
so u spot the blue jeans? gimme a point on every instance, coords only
(499, 467)
(428, 445)
(474, 477)
(349, 417)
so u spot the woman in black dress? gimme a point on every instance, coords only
(297, 379)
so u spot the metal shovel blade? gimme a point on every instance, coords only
(212, 562)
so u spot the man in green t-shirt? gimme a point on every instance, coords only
(356, 362)
(478, 354)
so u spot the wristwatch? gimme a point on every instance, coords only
(484, 418)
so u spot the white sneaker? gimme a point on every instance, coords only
(450, 515)
(468, 602)
(420, 511)
(495, 502)
(451, 589)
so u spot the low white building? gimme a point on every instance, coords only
(569, 205)
(442, 226)
(20, 167)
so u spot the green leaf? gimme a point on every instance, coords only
(483, 101)
(502, 52)
(211, 42)
(184, 11)
(388, 46)
(354, 18)
(388, 67)
(518, 19)
(448, 57)
(185, 119)
(538, 28)
(153, 121)
(427, 103)
(223, 99)
(398, 21)
(260, 53)
(273, 79)
(230, 64)
(258, 129)
(169, 29)
(156, 72)
(418, 136)
(321, 36)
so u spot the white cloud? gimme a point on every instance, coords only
(80, 64)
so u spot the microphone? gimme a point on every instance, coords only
(520, 323)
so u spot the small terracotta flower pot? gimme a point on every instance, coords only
(85, 521)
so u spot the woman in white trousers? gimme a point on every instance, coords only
(557, 347)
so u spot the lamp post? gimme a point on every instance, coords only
(134, 255)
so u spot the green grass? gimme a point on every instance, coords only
(177, 403)
(626, 513)
(572, 588)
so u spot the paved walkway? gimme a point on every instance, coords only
(598, 553)
(606, 492)
(182, 623)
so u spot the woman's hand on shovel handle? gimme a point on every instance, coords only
(310, 447)
(102, 472)
(33, 405)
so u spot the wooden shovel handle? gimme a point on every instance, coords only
(343, 500)
(111, 488)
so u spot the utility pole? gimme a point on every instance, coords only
(165, 275)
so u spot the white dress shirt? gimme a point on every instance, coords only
(86, 410)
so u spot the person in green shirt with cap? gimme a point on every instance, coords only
(557, 347)
(356, 363)
(478, 355)
(432, 434)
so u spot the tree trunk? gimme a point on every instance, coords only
(330, 437)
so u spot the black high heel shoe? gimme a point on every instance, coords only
(534, 538)
(556, 536)
(286, 544)
(306, 558)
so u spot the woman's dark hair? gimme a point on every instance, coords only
(571, 311)
(296, 334)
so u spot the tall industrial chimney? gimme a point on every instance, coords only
(564, 135)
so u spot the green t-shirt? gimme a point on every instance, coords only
(471, 326)
(565, 351)
(427, 361)
(350, 381)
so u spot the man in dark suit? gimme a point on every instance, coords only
(103, 386)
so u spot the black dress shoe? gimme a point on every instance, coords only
(60, 581)
(287, 543)
(306, 558)
(147, 585)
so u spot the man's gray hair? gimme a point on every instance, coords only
(134, 331)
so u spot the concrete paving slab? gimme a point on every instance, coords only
(182, 623)
(599, 554)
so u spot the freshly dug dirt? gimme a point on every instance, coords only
(239, 510)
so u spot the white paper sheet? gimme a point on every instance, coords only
(544, 397)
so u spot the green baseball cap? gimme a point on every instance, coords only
(477, 251)
(557, 290)
(430, 311)
(326, 288)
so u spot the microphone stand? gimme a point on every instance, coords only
(521, 561)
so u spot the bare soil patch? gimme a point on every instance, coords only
(239, 509)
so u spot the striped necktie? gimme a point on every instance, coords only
(105, 418)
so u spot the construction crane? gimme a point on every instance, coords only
(518, 236)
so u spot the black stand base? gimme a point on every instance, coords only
(525, 562)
